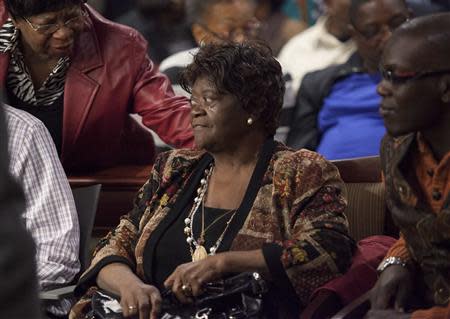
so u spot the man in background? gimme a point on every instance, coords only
(336, 111)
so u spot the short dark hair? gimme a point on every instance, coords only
(27, 8)
(248, 71)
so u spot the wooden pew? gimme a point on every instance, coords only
(119, 186)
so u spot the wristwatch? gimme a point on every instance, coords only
(389, 262)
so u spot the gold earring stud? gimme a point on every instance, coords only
(249, 121)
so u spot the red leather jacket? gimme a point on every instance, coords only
(110, 77)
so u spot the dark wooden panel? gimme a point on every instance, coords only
(119, 186)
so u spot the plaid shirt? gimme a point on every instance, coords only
(50, 215)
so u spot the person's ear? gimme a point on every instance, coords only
(199, 33)
(444, 88)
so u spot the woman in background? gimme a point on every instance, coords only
(82, 76)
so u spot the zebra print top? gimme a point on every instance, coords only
(19, 81)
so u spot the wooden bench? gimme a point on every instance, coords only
(119, 186)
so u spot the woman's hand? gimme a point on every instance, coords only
(136, 298)
(192, 276)
(395, 282)
(142, 299)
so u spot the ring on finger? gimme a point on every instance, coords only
(132, 308)
(186, 290)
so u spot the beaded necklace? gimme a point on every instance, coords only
(200, 252)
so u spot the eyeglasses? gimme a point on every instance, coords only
(48, 29)
(373, 31)
(392, 77)
(249, 30)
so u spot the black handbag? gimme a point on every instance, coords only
(237, 297)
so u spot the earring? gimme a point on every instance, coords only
(202, 43)
(249, 121)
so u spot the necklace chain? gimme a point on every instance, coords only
(200, 251)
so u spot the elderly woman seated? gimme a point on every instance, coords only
(241, 202)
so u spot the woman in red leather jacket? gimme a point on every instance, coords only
(82, 75)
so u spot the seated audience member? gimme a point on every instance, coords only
(212, 21)
(49, 215)
(415, 157)
(162, 23)
(336, 111)
(277, 28)
(18, 296)
(81, 75)
(262, 219)
(325, 43)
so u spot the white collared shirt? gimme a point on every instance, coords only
(311, 50)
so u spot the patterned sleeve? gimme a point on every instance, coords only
(318, 247)
(50, 214)
(119, 244)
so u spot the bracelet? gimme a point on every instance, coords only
(389, 262)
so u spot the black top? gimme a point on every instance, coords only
(173, 250)
(51, 116)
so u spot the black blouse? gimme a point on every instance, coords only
(173, 250)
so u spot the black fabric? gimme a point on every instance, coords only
(51, 116)
(282, 285)
(315, 87)
(173, 250)
(176, 210)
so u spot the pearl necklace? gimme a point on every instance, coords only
(200, 251)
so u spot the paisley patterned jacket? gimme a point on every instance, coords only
(297, 208)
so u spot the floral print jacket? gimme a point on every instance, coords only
(296, 217)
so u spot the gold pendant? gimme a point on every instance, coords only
(199, 253)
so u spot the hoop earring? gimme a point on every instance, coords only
(249, 121)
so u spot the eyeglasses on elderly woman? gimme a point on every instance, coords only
(50, 28)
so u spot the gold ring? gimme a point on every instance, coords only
(186, 290)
